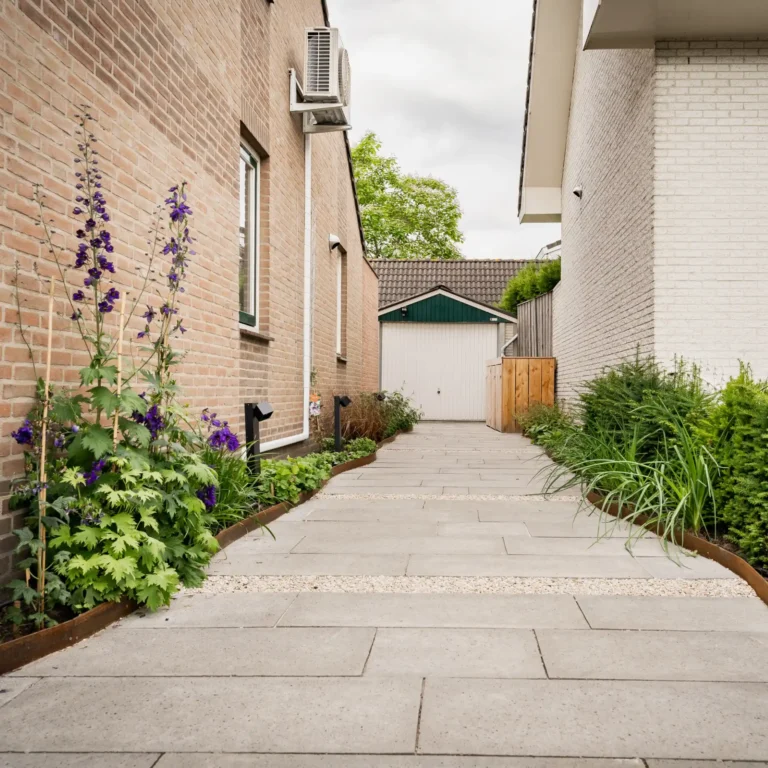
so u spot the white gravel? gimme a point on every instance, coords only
(447, 496)
(497, 585)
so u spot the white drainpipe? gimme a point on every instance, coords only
(273, 445)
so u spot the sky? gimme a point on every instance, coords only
(442, 83)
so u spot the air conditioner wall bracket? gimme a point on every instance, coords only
(298, 105)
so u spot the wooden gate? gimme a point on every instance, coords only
(514, 384)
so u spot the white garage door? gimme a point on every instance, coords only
(441, 366)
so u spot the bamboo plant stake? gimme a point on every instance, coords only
(119, 374)
(42, 498)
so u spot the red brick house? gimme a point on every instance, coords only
(197, 91)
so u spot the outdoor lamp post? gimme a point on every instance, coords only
(339, 402)
(255, 413)
(381, 396)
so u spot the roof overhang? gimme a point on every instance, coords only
(554, 40)
(441, 290)
(640, 23)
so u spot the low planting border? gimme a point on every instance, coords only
(24, 650)
(690, 541)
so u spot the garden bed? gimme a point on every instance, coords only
(694, 543)
(28, 648)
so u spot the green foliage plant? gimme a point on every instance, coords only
(404, 216)
(533, 280)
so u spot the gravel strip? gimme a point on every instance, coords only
(497, 585)
(446, 496)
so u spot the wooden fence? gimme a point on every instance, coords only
(534, 328)
(512, 385)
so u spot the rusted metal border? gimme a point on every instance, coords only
(690, 541)
(24, 650)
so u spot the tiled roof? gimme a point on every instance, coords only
(482, 280)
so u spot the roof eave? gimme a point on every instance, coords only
(551, 62)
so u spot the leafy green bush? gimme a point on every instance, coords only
(237, 493)
(738, 433)
(400, 414)
(546, 424)
(535, 279)
(356, 449)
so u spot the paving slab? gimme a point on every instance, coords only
(470, 530)
(82, 760)
(425, 610)
(354, 529)
(397, 514)
(663, 655)
(212, 652)
(310, 565)
(493, 653)
(391, 481)
(686, 568)
(650, 547)
(332, 503)
(329, 544)
(380, 761)
(500, 511)
(297, 714)
(702, 764)
(594, 718)
(688, 614)
(586, 527)
(223, 610)
(11, 687)
(262, 541)
(575, 566)
(383, 490)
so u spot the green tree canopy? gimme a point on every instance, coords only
(534, 279)
(404, 216)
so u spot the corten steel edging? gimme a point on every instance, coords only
(24, 650)
(705, 548)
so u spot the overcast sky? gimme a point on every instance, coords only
(442, 82)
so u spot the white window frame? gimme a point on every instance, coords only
(254, 234)
(339, 307)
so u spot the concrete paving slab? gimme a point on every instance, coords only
(595, 718)
(585, 527)
(493, 653)
(686, 568)
(703, 764)
(500, 511)
(82, 760)
(11, 687)
(316, 715)
(426, 610)
(397, 514)
(212, 652)
(383, 490)
(471, 530)
(505, 490)
(390, 481)
(574, 545)
(261, 541)
(224, 610)
(380, 761)
(353, 529)
(311, 565)
(689, 614)
(479, 545)
(629, 655)
(332, 503)
(528, 566)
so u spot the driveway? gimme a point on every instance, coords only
(430, 610)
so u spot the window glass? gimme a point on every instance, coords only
(248, 278)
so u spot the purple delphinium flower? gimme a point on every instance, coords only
(59, 442)
(224, 438)
(78, 296)
(93, 474)
(149, 315)
(23, 435)
(207, 495)
(152, 420)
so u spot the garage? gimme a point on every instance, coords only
(434, 347)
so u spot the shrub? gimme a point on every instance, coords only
(535, 279)
(738, 432)
(364, 417)
(546, 424)
(400, 414)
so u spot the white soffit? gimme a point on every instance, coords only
(553, 55)
(640, 23)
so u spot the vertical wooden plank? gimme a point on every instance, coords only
(521, 389)
(548, 381)
(506, 390)
(534, 385)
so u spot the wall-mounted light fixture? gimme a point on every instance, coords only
(578, 191)
(339, 402)
(255, 413)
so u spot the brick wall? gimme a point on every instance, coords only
(174, 86)
(603, 307)
(711, 224)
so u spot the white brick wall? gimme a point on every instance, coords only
(711, 201)
(603, 307)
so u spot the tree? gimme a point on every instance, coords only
(404, 216)
(534, 279)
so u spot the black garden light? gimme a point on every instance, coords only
(255, 413)
(339, 402)
(381, 396)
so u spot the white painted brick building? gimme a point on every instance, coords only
(664, 129)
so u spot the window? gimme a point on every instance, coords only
(249, 238)
(341, 303)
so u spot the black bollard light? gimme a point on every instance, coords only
(255, 413)
(339, 402)
(381, 396)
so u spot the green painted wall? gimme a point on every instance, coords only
(440, 309)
